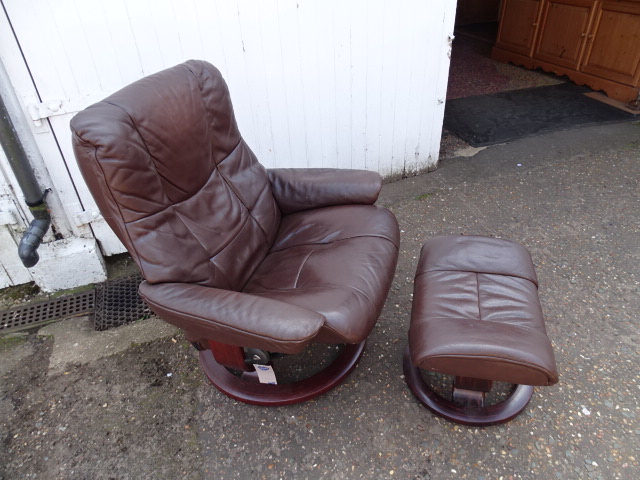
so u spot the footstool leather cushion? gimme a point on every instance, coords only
(476, 312)
(476, 315)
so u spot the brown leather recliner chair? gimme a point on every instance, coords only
(247, 261)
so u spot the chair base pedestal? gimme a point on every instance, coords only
(473, 412)
(246, 388)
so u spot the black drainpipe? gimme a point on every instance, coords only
(33, 194)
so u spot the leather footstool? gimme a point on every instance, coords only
(476, 316)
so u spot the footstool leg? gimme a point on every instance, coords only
(470, 391)
(471, 409)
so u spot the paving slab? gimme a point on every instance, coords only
(75, 341)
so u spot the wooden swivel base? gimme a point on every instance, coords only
(246, 387)
(467, 406)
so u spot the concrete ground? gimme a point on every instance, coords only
(77, 404)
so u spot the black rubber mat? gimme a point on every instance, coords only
(501, 117)
(118, 303)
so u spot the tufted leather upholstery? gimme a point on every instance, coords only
(230, 251)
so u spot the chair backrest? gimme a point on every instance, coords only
(167, 166)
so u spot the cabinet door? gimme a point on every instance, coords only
(563, 31)
(518, 25)
(613, 50)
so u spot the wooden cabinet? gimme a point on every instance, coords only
(593, 42)
(615, 48)
(564, 31)
(519, 25)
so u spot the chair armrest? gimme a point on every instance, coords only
(297, 189)
(234, 318)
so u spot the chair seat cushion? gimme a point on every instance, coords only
(337, 261)
(476, 312)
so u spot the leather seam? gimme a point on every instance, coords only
(108, 185)
(487, 357)
(237, 195)
(510, 275)
(178, 215)
(502, 324)
(282, 249)
(478, 297)
(198, 81)
(208, 322)
(146, 147)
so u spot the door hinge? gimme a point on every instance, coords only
(86, 217)
(43, 110)
(8, 218)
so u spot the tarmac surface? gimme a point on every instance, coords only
(131, 402)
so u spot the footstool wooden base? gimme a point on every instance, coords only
(476, 316)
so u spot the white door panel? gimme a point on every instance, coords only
(356, 84)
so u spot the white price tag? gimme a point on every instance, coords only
(266, 374)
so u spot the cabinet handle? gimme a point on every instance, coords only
(535, 24)
(583, 35)
(590, 35)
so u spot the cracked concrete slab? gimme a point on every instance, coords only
(76, 342)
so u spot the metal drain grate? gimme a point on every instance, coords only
(117, 303)
(113, 303)
(19, 318)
